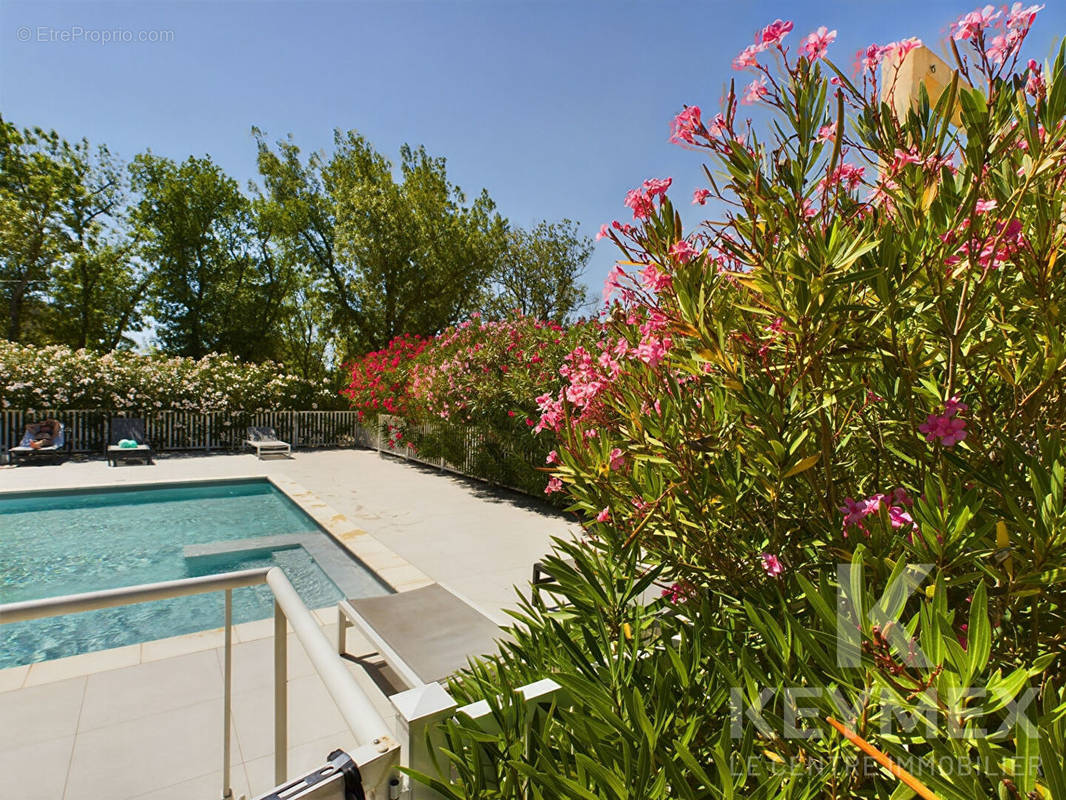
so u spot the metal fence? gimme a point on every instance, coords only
(470, 446)
(473, 451)
(192, 430)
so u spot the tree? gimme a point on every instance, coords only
(539, 271)
(306, 347)
(66, 273)
(395, 256)
(30, 240)
(295, 206)
(96, 290)
(217, 283)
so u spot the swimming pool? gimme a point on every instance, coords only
(66, 542)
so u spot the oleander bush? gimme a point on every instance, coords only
(830, 423)
(467, 395)
(58, 378)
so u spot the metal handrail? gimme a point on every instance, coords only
(129, 595)
(378, 751)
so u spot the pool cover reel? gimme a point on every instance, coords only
(338, 780)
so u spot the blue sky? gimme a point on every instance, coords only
(557, 108)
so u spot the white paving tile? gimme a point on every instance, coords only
(253, 663)
(180, 645)
(204, 787)
(312, 715)
(36, 771)
(40, 713)
(13, 677)
(125, 694)
(84, 664)
(136, 757)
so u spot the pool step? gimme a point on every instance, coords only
(339, 567)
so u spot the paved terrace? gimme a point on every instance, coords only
(144, 721)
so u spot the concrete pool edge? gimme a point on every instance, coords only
(387, 566)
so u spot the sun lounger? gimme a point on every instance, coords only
(132, 429)
(265, 440)
(60, 446)
(424, 635)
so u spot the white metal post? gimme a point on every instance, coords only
(227, 691)
(416, 711)
(281, 706)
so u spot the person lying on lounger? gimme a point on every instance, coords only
(43, 434)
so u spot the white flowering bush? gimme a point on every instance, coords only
(36, 378)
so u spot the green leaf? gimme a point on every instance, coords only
(978, 632)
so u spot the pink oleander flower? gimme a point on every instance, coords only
(948, 427)
(613, 281)
(746, 57)
(899, 518)
(604, 232)
(655, 279)
(554, 485)
(552, 415)
(652, 350)
(896, 503)
(901, 158)
(679, 592)
(604, 515)
(827, 133)
(900, 49)
(756, 91)
(640, 202)
(1022, 17)
(617, 459)
(774, 33)
(985, 205)
(992, 252)
(870, 58)
(971, 25)
(1035, 84)
(686, 126)
(815, 45)
(552, 458)
(657, 186)
(699, 197)
(683, 251)
(855, 511)
(717, 126)
(772, 565)
(846, 175)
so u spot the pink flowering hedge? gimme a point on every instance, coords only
(467, 394)
(379, 379)
(857, 361)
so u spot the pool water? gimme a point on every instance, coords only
(59, 543)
